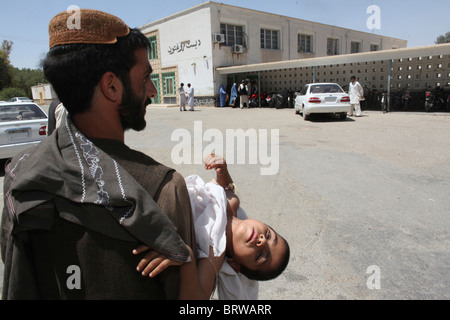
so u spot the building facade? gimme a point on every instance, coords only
(187, 47)
(412, 73)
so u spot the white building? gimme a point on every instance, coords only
(190, 45)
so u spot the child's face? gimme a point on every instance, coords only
(255, 245)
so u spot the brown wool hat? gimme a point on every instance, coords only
(86, 26)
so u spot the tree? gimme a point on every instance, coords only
(10, 76)
(5, 75)
(8, 93)
(443, 38)
(26, 78)
(6, 48)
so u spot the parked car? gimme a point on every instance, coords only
(22, 125)
(20, 99)
(322, 98)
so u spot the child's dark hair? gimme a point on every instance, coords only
(259, 275)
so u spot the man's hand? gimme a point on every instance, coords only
(153, 262)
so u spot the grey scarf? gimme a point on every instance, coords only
(89, 188)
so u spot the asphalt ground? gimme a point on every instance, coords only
(364, 203)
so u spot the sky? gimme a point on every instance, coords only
(25, 22)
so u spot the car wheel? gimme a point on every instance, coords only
(305, 117)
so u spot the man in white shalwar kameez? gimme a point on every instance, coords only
(190, 93)
(356, 94)
(182, 97)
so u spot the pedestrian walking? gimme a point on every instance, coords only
(356, 94)
(190, 93)
(182, 94)
(243, 94)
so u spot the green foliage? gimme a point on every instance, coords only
(443, 38)
(8, 93)
(5, 77)
(10, 76)
(26, 78)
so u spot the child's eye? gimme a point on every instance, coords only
(269, 234)
(259, 256)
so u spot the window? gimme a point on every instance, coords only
(270, 39)
(332, 46)
(356, 47)
(233, 34)
(169, 83)
(304, 43)
(374, 47)
(20, 112)
(328, 88)
(153, 53)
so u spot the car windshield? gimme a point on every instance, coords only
(326, 88)
(13, 112)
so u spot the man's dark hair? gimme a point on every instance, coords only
(259, 275)
(74, 70)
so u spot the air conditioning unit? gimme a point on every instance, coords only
(218, 38)
(237, 48)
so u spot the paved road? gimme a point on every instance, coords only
(348, 195)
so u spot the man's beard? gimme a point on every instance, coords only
(132, 110)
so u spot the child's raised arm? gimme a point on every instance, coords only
(223, 178)
(219, 164)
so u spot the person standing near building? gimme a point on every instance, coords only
(243, 94)
(182, 97)
(356, 94)
(190, 93)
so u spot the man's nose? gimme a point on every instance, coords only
(151, 90)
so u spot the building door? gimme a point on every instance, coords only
(231, 79)
(169, 88)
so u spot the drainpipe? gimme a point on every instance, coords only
(259, 88)
(389, 86)
(289, 39)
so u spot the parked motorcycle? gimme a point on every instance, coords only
(253, 102)
(281, 100)
(434, 101)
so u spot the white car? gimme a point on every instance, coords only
(322, 98)
(20, 99)
(22, 125)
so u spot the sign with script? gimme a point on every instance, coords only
(180, 47)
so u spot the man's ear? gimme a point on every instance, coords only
(111, 87)
(234, 265)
